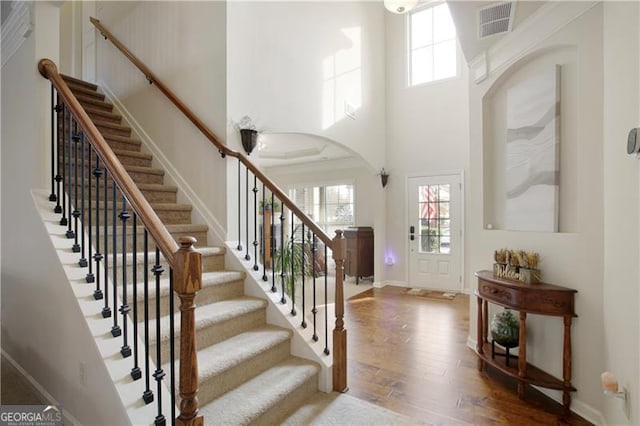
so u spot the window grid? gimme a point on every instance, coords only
(432, 45)
(435, 221)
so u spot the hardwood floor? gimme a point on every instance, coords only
(409, 354)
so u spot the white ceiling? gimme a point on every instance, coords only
(286, 149)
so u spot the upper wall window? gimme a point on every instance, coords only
(432, 45)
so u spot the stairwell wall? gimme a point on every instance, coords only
(184, 44)
(42, 326)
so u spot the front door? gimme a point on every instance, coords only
(435, 233)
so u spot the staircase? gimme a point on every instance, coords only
(247, 374)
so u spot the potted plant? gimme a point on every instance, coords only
(293, 260)
(267, 206)
(248, 133)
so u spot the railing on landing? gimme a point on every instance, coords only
(303, 241)
(88, 180)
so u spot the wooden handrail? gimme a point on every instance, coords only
(163, 239)
(208, 133)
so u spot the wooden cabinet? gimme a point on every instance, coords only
(540, 298)
(359, 257)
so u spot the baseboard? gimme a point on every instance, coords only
(218, 231)
(396, 283)
(39, 390)
(582, 409)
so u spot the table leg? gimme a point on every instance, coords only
(485, 323)
(522, 355)
(566, 364)
(479, 334)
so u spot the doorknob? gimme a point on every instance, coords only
(412, 230)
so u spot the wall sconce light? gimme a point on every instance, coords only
(400, 6)
(384, 177)
(610, 386)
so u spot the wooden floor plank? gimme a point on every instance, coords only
(409, 354)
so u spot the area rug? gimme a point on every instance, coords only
(430, 294)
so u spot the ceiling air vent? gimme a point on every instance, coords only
(495, 19)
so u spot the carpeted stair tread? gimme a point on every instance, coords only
(211, 314)
(104, 115)
(85, 91)
(113, 126)
(246, 403)
(173, 228)
(68, 79)
(172, 206)
(209, 279)
(141, 155)
(88, 100)
(122, 139)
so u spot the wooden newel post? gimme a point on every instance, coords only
(339, 333)
(187, 281)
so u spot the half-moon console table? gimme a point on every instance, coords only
(541, 299)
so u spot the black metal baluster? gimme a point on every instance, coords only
(136, 373)
(283, 274)
(115, 329)
(147, 395)
(83, 260)
(59, 154)
(172, 346)
(326, 306)
(255, 223)
(239, 214)
(106, 310)
(304, 261)
(314, 311)
(76, 213)
(263, 250)
(159, 373)
(69, 179)
(52, 196)
(63, 142)
(89, 277)
(246, 215)
(272, 247)
(293, 271)
(125, 350)
(97, 172)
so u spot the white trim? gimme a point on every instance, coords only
(542, 24)
(38, 389)
(218, 232)
(16, 29)
(395, 283)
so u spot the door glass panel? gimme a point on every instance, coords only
(435, 226)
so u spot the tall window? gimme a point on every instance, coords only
(330, 206)
(432, 45)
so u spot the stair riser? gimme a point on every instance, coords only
(200, 236)
(126, 132)
(93, 103)
(141, 177)
(113, 143)
(168, 217)
(276, 414)
(211, 263)
(228, 380)
(137, 176)
(152, 195)
(219, 332)
(81, 91)
(208, 294)
(103, 116)
(126, 160)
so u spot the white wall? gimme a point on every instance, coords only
(283, 61)
(572, 259)
(427, 133)
(184, 45)
(42, 327)
(621, 275)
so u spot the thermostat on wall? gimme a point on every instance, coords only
(633, 144)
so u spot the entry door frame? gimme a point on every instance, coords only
(463, 213)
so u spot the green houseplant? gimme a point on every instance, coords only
(293, 260)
